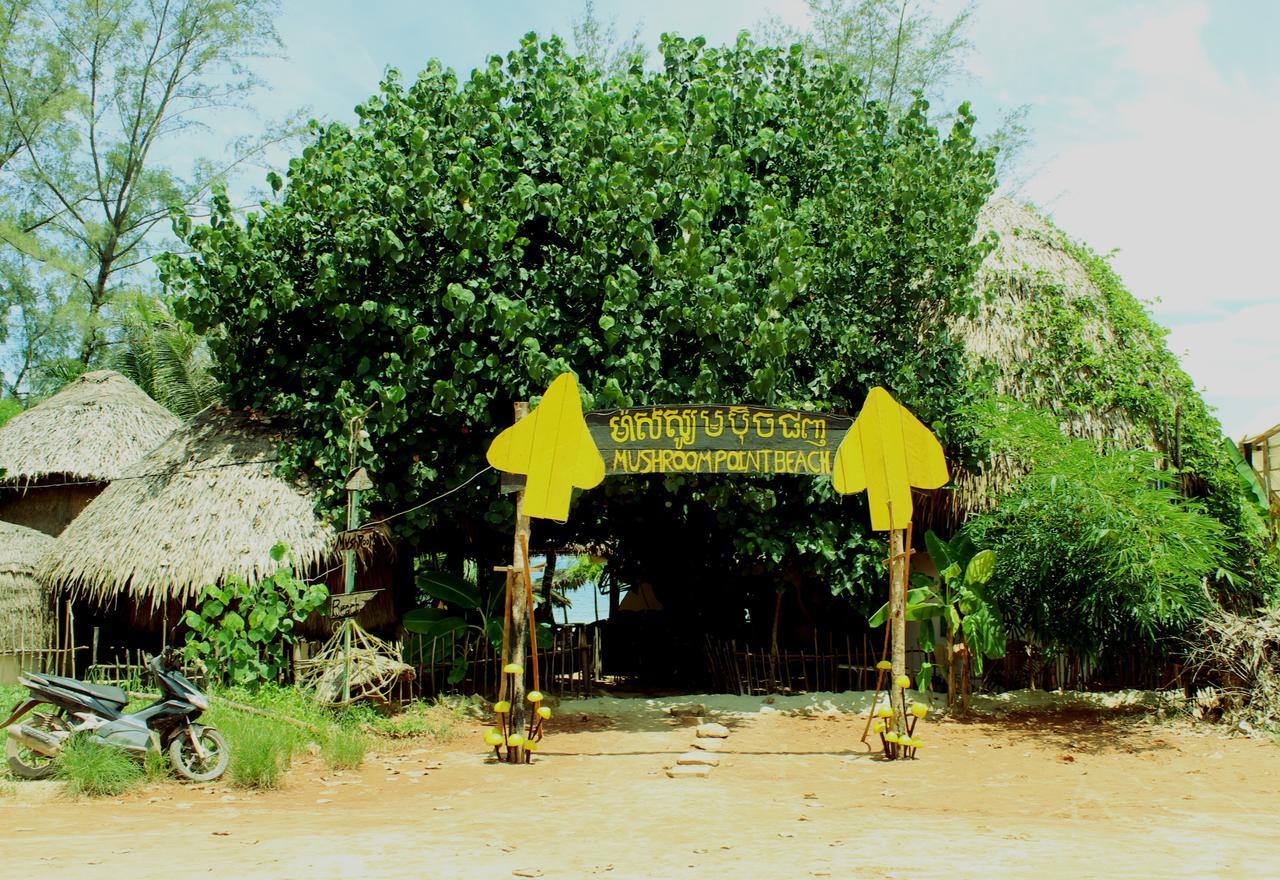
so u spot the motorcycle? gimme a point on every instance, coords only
(69, 707)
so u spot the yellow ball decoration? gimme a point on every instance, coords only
(544, 712)
(531, 745)
(891, 736)
(919, 710)
(513, 669)
(884, 712)
(493, 738)
(903, 681)
(515, 739)
(534, 696)
(884, 665)
(502, 707)
(878, 727)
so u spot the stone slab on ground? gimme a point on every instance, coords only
(700, 759)
(708, 745)
(686, 771)
(712, 730)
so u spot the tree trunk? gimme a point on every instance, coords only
(97, 297)
(519, 608)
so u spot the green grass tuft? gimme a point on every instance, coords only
(262, 749)
(344, 749)
(94, 770)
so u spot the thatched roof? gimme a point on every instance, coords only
(204, 505)
(93, 429)
(24, 601)
(1032, 269)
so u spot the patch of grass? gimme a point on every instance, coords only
(94, 770)
(262, 749)
(344, 749)
(438, 719)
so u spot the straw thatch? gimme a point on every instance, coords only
(204, 505)
(24, 601)
(93, 429)
(1031, 264)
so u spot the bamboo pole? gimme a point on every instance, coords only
(898, 621)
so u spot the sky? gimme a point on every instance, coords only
(1154, 132)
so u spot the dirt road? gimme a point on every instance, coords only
(1044, 796)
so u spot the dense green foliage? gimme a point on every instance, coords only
(243, 632)
(737, 226)
(1133, 376)
(1097, 547)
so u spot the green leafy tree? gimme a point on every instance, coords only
(736, 226)
(88, 187)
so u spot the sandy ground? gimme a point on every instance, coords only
(1075, 791)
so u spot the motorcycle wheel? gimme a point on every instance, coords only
(187, 762)
(26, 763)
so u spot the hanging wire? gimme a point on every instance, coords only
(429, 501)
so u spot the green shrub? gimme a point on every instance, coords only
(94, 770)
(344, 749)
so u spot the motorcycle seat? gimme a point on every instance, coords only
(104, 692)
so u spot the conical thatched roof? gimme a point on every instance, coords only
(204, 505)
(24, 601)
(1057, 331)
(93, 429)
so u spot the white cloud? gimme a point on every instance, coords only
(1185, 183)
(1235, 355)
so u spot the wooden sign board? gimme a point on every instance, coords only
(344, 605)
(716, 439)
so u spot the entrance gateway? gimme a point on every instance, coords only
(885, 451)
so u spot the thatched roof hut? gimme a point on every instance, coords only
(56, 456)
(204, 505)
(1056, 330)
(24, 601)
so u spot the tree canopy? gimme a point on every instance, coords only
(96, 102)
(739, 225)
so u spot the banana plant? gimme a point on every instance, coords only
(955, 608)
(459, 606)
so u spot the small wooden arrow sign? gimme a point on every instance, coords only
(344, 605)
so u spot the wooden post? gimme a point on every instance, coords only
(898, 622)
(357, 481)
(519, 609)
